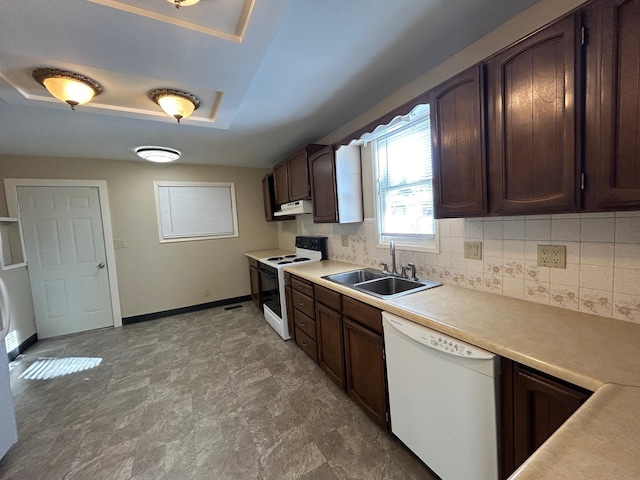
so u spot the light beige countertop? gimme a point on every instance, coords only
(274, 252)
(602, 439)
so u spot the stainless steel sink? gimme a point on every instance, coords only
(378, 284)
(355, 276)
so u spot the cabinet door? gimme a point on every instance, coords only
(323, 186)
(281, 183)
(457, 131)
(254, 276)
(532, 97)
(366, 375)
(267, 196)
(613, 106)
(298, 176)
(330, 343)
(540, 406)
(290, 315)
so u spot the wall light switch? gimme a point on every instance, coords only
(344, 239)
(553, 256)
(119, 243)
(473, 250)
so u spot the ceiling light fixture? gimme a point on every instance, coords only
(175, 103)
(158, 154)
(183, 3)
(68, 87)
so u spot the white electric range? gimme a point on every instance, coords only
(308, 249)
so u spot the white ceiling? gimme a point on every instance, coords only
(271, 75)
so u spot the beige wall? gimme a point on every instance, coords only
(154, 277)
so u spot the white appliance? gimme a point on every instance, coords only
(295, 208)
(8, 430)
(442, 399)
(308, 249)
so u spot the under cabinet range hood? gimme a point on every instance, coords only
(295, 208)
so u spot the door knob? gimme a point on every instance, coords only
(101, 265)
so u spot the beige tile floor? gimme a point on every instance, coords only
(214, 394)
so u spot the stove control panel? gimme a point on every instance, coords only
(319, 244)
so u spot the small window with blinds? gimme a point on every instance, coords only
(404, 184)
(195, 211)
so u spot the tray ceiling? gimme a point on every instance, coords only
(271, 74)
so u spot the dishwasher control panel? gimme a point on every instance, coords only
(448, 344)
(435, 340)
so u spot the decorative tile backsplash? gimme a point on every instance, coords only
(603, 258)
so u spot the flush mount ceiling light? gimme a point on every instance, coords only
(158, 154)
(183, 3)
(175, 103)
(68, 87)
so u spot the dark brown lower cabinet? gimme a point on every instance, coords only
(254, 277)
(366, 373)
(330, 343)
(534, 405)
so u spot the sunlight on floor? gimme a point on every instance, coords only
(47, 368)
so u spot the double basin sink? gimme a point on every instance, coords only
(379, 284)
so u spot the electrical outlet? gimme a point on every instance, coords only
(344, 239)
(205, 292)
(119, 243)
(552, 256)
(473, 250)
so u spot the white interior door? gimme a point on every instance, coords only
(65, 248)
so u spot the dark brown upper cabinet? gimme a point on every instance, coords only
(612, 115)
(268, 198)
(291, 176)
(533, 105)
(298, 176)
(281, 183)
(457, 130)
(336, 185)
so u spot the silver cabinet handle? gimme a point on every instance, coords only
(101, 265)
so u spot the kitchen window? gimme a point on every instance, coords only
(404, 182)
(195, 211)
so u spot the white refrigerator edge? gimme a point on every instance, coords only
(8, 430)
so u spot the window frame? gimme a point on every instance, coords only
(172, 238)
(430, 244)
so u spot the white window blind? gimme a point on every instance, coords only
(195, 211)
(404, 184)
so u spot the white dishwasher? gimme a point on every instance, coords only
(443, 400)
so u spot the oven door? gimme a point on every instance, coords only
(270, 290)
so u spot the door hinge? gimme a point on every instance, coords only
(583, 36)
(386, 417)
(582, 181)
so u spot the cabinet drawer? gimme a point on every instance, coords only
(328, 297)
(306, 343)
(303, 303)
(253, 262)
(304, 323)
(362, 313)
(301, 285)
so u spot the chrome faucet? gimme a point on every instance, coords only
(392, 250)
(394, 270)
